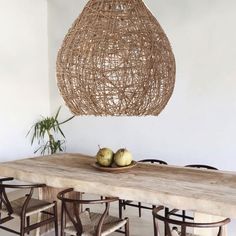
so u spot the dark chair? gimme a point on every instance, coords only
(86, 222)
(180, 227)
(24, 207)
(183, 215)
(124, 203)
(202, 166)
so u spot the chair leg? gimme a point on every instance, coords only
(22, 226)
(220, 231)
(124, 205)
(120, 208)
(28, 223)
(108, 209)
(127, 227)
(184, 215)
(139, 209)
(22, 233)
(154, 224)
(56, 218)
(167, 216)
(63, 221)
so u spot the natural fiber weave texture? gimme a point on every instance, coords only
(116, 60)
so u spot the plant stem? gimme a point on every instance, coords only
(51, 142)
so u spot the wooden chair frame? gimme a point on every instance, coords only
(25, 226)
(74, 214)
(183, 224)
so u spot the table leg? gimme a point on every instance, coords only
(50, 194)
(38, 218)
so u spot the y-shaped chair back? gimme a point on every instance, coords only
(75, 216)
(154, 161)
(201, 166)
(182, 225)
(25, 207)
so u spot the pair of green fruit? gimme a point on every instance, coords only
(106, 157)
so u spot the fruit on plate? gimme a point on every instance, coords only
(123, 157)
(105, 157)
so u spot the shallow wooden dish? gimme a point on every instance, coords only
(114, 167)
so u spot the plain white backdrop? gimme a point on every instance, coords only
(24, 86)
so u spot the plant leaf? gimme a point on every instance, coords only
(63, 122)
(58, 111)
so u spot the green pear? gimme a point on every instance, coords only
(123, 157)
(105, 157)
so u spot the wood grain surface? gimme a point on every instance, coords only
(206, 191)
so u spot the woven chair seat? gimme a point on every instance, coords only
(90, 222)
(34, 206)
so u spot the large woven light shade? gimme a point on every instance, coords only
(116, 61)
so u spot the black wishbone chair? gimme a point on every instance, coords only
(88, 223)
(124, 203)
(24, 207)
(201, 166)
(180, 228)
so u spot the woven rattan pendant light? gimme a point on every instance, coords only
(116, 61)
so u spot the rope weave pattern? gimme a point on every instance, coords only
(116, 61)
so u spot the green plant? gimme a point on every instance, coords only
(46, 131)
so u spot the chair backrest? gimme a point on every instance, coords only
(202, 166)
(182, 225)
(4, 198)
(74, 215)
(153, 161)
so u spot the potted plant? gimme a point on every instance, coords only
(51, 139)
(47, 132)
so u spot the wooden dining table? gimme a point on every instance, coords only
(205, 191)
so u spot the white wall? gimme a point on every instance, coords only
(24, 87)
(198, 124)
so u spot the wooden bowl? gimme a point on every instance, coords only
(114, 167)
